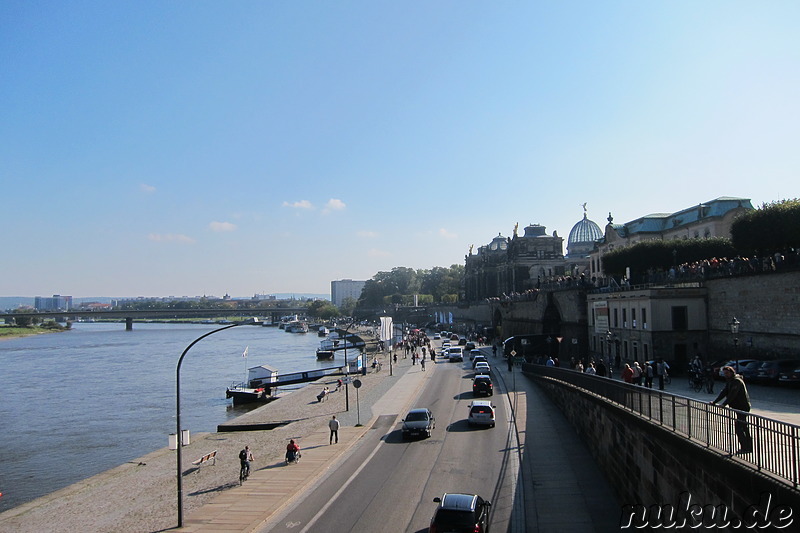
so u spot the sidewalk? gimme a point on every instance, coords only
(270, 489)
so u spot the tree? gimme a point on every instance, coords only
(771, 228)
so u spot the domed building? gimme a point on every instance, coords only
(582, 240)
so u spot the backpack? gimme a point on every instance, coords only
(243, 455)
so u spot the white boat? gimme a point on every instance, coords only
(323, 331)
(296, 326)
(335, 342)
(256, 388)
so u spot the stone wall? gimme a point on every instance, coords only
(768, 307)
(650, 466)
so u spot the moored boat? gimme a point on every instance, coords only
(325, 354)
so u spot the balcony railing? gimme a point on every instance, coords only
(776, 445)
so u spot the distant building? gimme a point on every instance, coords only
(56, 303)
(346, 288)
(513, 265)
(703, 221)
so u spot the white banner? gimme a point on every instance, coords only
(386, 329)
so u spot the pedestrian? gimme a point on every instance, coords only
(590, 369)
(550, 362)
(422, 362)
(661, 371)
(601, 368)
(648, 375)
(334, 425)
(637, 373)
(627, 373)
(736, 397)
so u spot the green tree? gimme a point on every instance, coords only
(771, 228)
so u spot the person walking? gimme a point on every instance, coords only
(422, 362)
(333, 424)
(736, 397)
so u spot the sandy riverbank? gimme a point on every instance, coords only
(141, 496)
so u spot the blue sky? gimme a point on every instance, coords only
(189, 148)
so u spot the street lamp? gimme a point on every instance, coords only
(347, 368)
(178, 433)
(734, 324)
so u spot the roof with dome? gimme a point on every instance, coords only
(585, 231)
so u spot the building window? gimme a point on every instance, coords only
(633, 318)
(616, 321)
(680, 318)
(644, 318)
(624, 318)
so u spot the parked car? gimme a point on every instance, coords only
(750, 370)
(790, 377)
(482, 385)
(460, 513)
(418, 422)
(769, 371)
(483, 368)
(737, 364)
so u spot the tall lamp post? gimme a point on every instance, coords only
(347, 368)
(734, 324)
(178, 433)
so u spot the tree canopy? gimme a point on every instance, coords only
(401, 284)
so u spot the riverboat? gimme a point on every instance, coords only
(296, 326)
(335, 342)
(324, 355)
(242, 394)
(323, 331)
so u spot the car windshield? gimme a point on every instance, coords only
(416, 416)
(451, 517)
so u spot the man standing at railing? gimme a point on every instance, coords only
(736, 396)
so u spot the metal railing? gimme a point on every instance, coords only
(776, 444)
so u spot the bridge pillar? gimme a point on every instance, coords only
(129, 324)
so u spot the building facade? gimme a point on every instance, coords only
(703, 221)
(513, 265)
(56, 303)
(345, 288)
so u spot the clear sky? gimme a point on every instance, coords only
(186, 148)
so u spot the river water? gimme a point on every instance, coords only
(77, 403)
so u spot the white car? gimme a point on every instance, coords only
(482, 368)
(455, 353)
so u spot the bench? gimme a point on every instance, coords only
(206, 458)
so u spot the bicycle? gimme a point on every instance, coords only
(244, 471)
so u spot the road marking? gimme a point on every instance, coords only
(342, 488)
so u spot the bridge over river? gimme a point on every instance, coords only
(271, 315)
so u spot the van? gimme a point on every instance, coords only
(481, 413)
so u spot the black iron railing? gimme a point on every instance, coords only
(776, 444)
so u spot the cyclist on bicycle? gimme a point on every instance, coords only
(245, 456)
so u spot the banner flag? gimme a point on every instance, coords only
(386, 328)
(244, 354)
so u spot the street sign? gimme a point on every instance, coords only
(347, 379)
(356, 383)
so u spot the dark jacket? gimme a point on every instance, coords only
(735, 394)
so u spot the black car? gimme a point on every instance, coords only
(418, 423)
(482, 386)
(460, 512)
